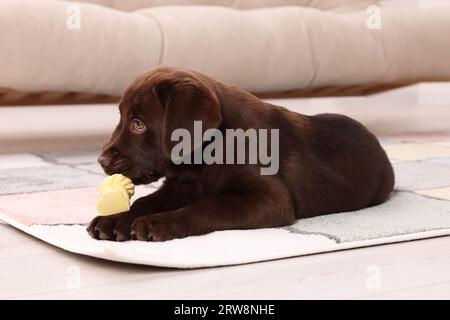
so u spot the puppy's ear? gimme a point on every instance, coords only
(184, 101)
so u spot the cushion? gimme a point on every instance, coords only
(269, 49)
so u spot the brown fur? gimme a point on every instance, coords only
(328, 163)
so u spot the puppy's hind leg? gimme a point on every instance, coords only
(386, 186)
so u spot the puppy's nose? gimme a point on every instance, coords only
(104, 161)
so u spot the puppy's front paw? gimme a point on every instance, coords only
(114, 228)
(157, 228)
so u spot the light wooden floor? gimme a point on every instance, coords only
(32, 269)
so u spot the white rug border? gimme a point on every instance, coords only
(104, 253)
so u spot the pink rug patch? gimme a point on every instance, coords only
(74, 206)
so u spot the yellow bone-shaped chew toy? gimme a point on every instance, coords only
(115, 194)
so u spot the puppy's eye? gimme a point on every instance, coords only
(138, 126)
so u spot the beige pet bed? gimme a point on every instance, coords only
(303, 48)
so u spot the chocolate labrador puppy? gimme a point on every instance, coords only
(328, 163)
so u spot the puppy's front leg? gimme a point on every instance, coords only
(117, 227)
(222, 212)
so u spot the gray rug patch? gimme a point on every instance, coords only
(92, 168)
(386, 220)
(71, 158)
(295, 230)
(420, 175)
(55, 177)
(388, 142)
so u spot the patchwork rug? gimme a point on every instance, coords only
(53, 196)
